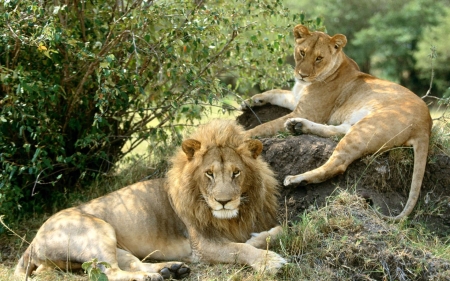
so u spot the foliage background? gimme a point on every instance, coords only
(390, 39)
(79, 79)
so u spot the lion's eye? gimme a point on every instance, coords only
(302, 53)
(209, 174)
(319, 58)
(236, 174)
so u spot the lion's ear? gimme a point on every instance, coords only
(190, 146)
(339, 41)
(255, 147)
(300, 32)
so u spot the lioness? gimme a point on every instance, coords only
(332, 97)
(217, 205)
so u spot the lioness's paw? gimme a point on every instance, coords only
(270, 263)
(176, 270)
(256, 100)
(290, 180)
(294, 125)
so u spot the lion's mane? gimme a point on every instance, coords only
(258, 208)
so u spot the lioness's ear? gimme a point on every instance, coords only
(190, 146)
(255, 147)
(300, 32)
(339, 41)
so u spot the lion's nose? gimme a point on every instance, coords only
(223, 202)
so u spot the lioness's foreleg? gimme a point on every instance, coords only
(304, 126)
(168, 270)
(278, 97)
(270, 128)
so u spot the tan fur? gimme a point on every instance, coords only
(335, 99)
(222, 165)
(172, 219)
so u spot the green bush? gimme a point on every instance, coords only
(81, 78)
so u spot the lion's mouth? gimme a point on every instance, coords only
(225, 214)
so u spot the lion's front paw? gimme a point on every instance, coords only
(294, 125)
(256, 100)
(175, 270)
(269, 263)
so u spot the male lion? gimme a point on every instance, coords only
(332, 97)
(217, 205)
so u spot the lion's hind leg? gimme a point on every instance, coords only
(70, 238)
(168, 270)
(24, 266)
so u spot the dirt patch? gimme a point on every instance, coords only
(384, 180)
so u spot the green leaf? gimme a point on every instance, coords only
(36, 155)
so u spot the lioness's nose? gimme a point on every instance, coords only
(223, 202)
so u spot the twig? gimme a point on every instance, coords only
(249, 107)
(432, 57)
(7, 227)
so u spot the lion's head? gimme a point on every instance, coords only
(219, 184)
(316, 54)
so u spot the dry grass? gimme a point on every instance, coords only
(345, 240)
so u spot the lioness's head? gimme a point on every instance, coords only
(316, 54)
(220, 176)
(219, 183)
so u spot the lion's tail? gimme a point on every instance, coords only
(420, 146)
(25, 265)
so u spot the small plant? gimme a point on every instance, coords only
(93, 270)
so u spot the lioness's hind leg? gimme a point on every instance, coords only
(369, 135)
(168, 270)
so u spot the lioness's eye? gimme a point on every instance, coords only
(319, 58)
(236, 174)
(302, 53)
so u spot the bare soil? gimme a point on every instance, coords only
(384, 180)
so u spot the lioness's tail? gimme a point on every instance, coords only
(25, 265)
(420, 146)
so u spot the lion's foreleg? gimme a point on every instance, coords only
(264, 261)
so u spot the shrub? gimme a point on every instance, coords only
(81, 78)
